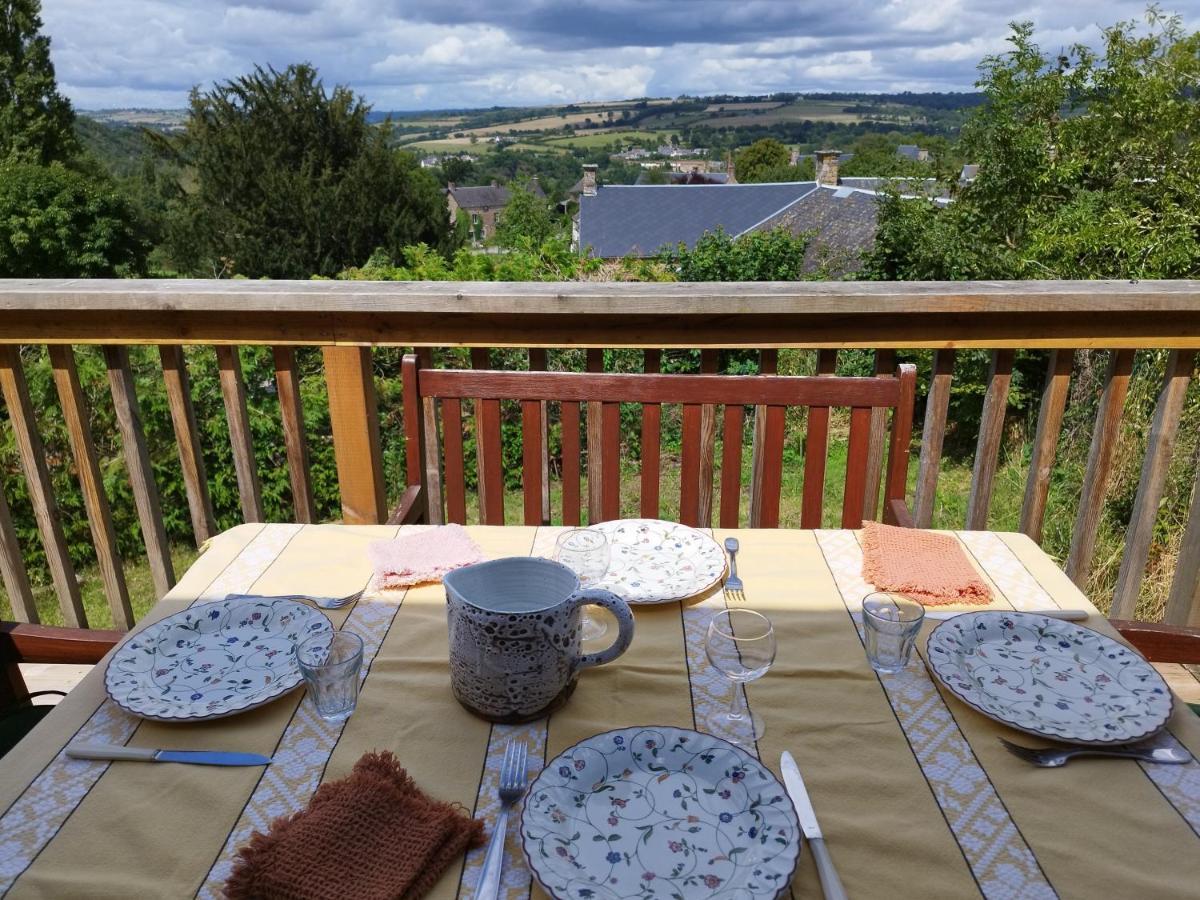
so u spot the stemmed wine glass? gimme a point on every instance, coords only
(585, 552)
(741, 645)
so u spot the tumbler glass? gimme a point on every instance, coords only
(891, 624)
(330, 669)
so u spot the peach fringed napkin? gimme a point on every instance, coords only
(373, 834)
(930, 568)
(422, 556)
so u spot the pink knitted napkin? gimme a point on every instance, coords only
(422, 556)
(930, 568)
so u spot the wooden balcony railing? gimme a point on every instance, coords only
(347, 319)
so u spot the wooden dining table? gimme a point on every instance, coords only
(915, 794)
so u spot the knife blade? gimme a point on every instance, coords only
(1067, 615)
(831, 885)
(147, 754)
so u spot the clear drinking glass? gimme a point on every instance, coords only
(890, 627)
(586, 553)
(330, 669)
(741, 644)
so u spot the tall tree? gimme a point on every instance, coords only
(285, 180)
(36, 121)
(1087, 167)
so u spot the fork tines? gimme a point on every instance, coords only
(513, 768)
(737, 595)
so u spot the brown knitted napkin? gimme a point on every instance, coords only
(372, 835)
(931, 568)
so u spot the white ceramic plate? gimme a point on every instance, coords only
(652, 812)
(1049, 677)
(213, 659)
(658, 562)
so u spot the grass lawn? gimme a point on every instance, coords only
(651, 139)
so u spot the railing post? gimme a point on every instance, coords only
(768, 364)
(1045, 442)
(1140, 531)
(41, 492)
(595, 449)
(431, 479)
(991, 430)
(885, 367)
(1183, 603)
(291, 411)
(187, 440)
(12, 568)
(933, 434)
(539, 362)
(354, 417)
(233, 392)
(1099, 466)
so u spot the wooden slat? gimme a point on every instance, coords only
(885, 365)
(987, 448)
(233, 393)
(413, 506)
(570, 463)
(141, 474)
(1045, 441)
(481, 358)
(354, 418)
(452, 441)
(1183, 603)
(731, 465)
(531, 460)
(187, 441)
(295, 442)
(1161, 643)
(595, 449)
(856, 467)
(768, 364)
(41, 491)
(1099, 466)
(709, 361)
(490, 457)
(1034, 314)
(610, 428)
(772, 468)
(816, 450)
(689, 467)
(651, 443)
(900, 445)
(434, 503)
(771, 390)
(539, 362)
(937, 407)
(91, 484)
(12, 568)
(1140, 531)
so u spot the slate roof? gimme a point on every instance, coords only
(685, 177)
(489, 196)
(844, 221)
(909, 151)
(638, 220)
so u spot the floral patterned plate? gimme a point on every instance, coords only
(212, 659)
(652, 812)
(658, 562)
(1050, 678)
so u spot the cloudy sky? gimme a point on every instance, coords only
(472, 53)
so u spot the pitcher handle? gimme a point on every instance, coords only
(618, 608)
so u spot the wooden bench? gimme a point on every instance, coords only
(699, 395)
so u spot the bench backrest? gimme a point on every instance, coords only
(699, 395)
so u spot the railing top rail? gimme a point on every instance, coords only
(556, 314)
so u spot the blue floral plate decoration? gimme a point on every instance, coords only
(651, 812)
(213, 659)
(1050, 678)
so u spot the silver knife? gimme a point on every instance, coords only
(146, 754)
(1067, 615)
(831, 885)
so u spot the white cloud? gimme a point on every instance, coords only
(404, 54)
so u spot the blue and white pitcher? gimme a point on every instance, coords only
(515, 651)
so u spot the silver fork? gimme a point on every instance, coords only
(322, 602)
(1052, 757)
(734, 589)
(512, 788)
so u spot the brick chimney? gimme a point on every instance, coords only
(730, 173)
(589, 179)
(827, 167)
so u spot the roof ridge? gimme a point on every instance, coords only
(781, 209)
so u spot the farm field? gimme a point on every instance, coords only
(602, 137)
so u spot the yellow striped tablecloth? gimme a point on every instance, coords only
(915, 795)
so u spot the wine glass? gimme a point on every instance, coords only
(740, 644)
(585, 552)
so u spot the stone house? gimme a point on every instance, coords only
(482, 204)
